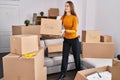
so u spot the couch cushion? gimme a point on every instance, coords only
(57, 60)
(56, 69)
(49, 61)
(96, 62)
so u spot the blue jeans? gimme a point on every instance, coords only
(76, 49)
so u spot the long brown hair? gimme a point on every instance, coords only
(71, 8)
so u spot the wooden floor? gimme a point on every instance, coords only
(70, 76)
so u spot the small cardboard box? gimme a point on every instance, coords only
(51, 27)
(105, 38)
(20, 29)
(81, 75)
(22, 44)
(19, 68)
(116, 62)
(54, 48)
(53, 12)
(91, 36)
(98, 50)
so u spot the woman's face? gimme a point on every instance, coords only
(67, 7)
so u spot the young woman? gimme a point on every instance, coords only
(70, 23)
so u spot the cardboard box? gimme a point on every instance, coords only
(22, 44)
(55, 48)
(98, 50)
(51, 27)
(81, 75)
(91, 36)
(55, 54)
(20, 68)
(20, 29)
(116, 62)
(53, 12)
(105, 38)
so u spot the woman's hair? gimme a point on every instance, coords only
(71, 8)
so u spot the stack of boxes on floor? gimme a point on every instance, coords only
(95, 45)
(26, 59)
(51, 28)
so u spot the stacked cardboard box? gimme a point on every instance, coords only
(93, 48)
(54, 50)
(53, 12)
(26, 60)
(105, 38)
(23, 30)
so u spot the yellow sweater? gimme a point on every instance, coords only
(70, 23)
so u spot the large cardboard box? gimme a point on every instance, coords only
(81, 75)
(98, 50)
(22, 44)
(19, 68)
(51, 27)
(21, 29)
(91, 36)
(53, 12)
(54, 48)
(105, 38)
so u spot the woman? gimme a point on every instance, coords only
(70, 23)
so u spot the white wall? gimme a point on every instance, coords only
(108, 20)
(90, 14)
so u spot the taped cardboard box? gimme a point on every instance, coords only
(105, 38)
(21, 29)
(98, 50)
(91, 36)
(22, 44)
(51, 27)
(81, 75)
(20, 68)
(53, 12)
(54, 48)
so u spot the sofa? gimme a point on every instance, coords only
(53, 64)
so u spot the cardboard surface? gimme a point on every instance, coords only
(21, 29)
(53, 12)
(51, 27)
(22, 44)
(114, 70)
(98, 50)
(105, 38)
(91, 36)
(116, 62)
(55, 48)
(20, 68)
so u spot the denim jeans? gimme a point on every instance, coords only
(76, 49)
